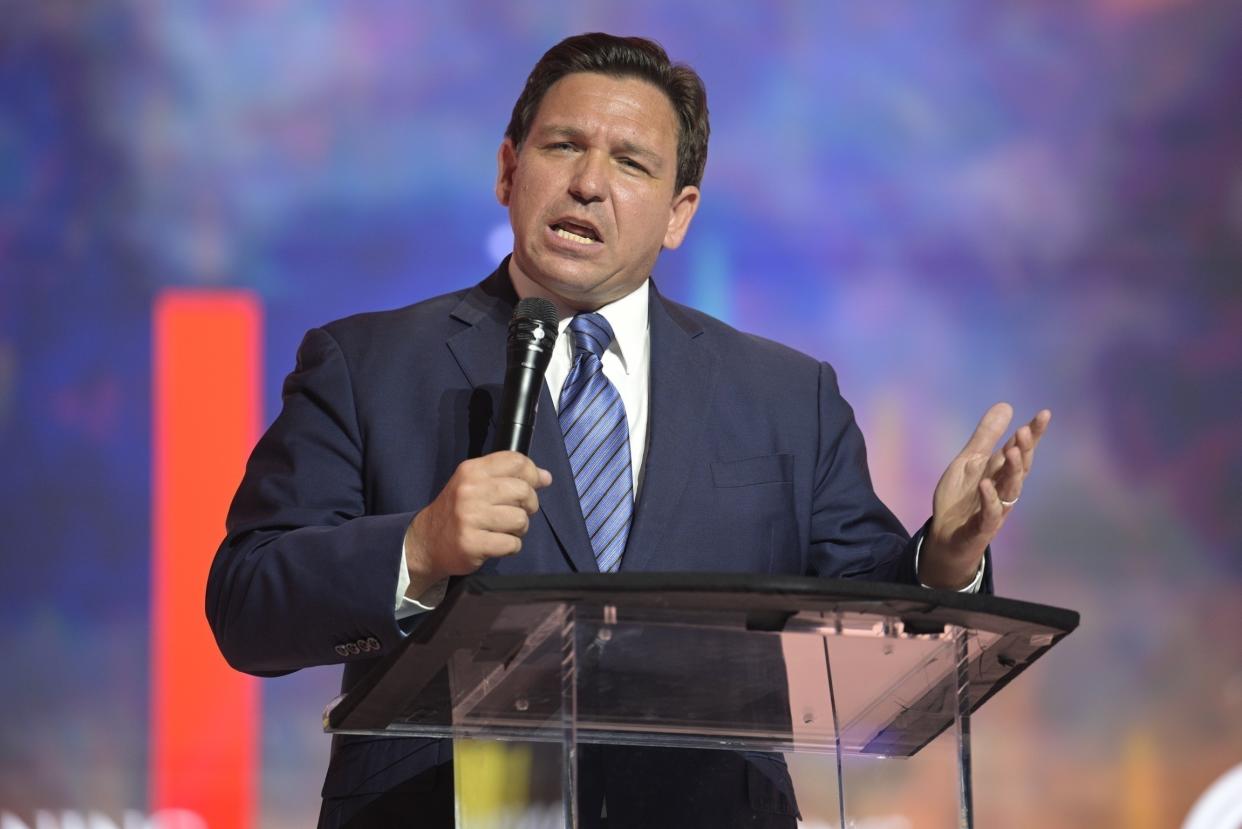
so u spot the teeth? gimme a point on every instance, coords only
(573, 237)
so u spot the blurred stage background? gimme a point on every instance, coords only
(954, 203)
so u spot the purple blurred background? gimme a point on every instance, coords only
(954, 203)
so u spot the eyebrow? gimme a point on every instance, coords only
(626, 147)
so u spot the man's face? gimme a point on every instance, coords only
(591, 191)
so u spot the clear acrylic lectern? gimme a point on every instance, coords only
(722, 661)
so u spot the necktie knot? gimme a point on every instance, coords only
(591, 333)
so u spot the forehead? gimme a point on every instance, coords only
(588, 101)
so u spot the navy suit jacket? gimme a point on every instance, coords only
(754, 464)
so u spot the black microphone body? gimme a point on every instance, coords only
(532, 336)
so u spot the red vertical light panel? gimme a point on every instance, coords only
(206, 418)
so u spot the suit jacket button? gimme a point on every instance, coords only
(352, 648)
(341, 650)
(362, 645)
(374, 643)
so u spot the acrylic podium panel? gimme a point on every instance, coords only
(702, 661)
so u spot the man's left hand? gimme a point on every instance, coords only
(975, 495)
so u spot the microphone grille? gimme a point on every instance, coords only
(540, 310)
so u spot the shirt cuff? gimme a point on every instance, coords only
(406, 607)
(973, 587)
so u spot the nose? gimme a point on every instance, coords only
(590, 178)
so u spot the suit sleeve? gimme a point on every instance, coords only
(305, 576)
(853, 534)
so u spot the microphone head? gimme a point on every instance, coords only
(532, 333)
(540, 310)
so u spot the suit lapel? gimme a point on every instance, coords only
(683, 374)
(559, 502)
(480, 352)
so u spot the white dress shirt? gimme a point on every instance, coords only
(627, 365)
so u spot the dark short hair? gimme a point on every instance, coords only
(624, 57)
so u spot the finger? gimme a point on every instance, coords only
(977, 468)
(1025, 443)
(1039, 425)
(505, 519)
(516, 465)
(997, 459)
(514, 492)
(507, 463)
(991, 426)
(1036, 429)
(1008, 482)
(533, 477)
(491, 544)
(1025, 438)
(991, 513)
(995, 462)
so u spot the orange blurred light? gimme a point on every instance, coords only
(206, 419)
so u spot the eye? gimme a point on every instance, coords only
(625, 161)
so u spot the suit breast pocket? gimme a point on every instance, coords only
(766, 469)
(754, 522)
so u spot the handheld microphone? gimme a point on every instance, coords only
(532, 335)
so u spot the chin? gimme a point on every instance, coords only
(567, 279)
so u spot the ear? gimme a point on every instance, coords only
(506, 164)
(682, 211)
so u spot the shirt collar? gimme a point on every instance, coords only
(627, 316)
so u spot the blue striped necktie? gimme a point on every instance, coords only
(597, 439)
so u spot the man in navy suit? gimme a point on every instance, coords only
(376, 482)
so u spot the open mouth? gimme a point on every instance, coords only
(574, 232)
